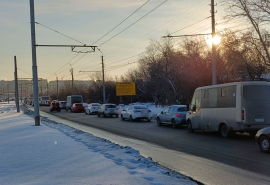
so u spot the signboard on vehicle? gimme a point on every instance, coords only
(125, 88)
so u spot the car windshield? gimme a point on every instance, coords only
(79, 104)
(111, 106)
(96, 105)
(140, 107)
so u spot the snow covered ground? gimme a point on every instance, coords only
(57, 154)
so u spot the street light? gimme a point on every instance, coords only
(103, 82)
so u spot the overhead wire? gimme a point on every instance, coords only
(132, 23)
(121, 22)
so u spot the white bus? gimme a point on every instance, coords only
(43, 99)
(232, 107)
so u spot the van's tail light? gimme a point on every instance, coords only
(243, 115)
(178, 115)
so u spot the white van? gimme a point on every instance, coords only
(232, 107)
(43, 99)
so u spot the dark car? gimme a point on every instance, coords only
(174, 115)
(62, 104)
(107, 109)
(263, 139)
(55, 106)
(77, 107)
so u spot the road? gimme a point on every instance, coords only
(203, 156)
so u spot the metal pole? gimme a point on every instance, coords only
(8, 92)
(214, 75)
(16, 85)
(57, 87)
(103, 81)
(34, 64)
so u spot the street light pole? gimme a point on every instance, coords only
(103, 81)
(34, 64)
(56, 86)
(71, 71)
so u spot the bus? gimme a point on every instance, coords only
(42, 100)
(229, 108)
(73, 99)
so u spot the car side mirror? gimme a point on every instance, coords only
(162, 112)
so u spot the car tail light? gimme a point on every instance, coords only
(243, 115)
(178, 115)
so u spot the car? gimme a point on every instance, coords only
(107, 109)
(263, 139)
(55, 106)
(119, 108)
(77, 107)
(85, 105)
(47, 103)
(174, 115)
(62, 104)
(136, 112)
(92, 108)
(73, 99)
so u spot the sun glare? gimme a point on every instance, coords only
(216, 40)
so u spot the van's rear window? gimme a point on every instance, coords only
(256, 92)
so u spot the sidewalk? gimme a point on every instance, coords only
(57, 154)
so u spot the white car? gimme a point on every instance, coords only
(92, 108)
(136, 112)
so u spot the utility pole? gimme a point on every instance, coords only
(47, 88)
(16, 85)
(103, 80)
(34, 64)
(57, 86)
(71, 71)
(214, 75)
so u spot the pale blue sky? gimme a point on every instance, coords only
(87, 21)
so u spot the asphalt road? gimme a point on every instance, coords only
(204, 156)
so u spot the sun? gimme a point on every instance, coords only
(216, 40)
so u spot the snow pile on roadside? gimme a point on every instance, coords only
(57, 154)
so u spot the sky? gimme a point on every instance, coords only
(121, 29)
(53, 153)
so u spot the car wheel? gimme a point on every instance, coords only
(158, 121)
(189, 126)
(117, 115)
(149, 119)
(122, 118)
(104, 115)
(173, 122)
(264, 144)
(224, 131)
(131, 119)
(98, 115)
